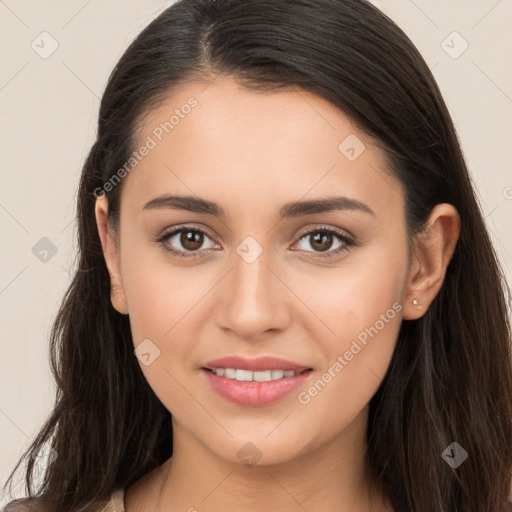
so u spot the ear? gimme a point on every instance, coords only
(433, 250)
(111, 254)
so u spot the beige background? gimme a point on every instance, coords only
(48, 109)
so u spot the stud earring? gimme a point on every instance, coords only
(416, 303)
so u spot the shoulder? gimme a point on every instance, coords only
(114, 504)
(24, 505)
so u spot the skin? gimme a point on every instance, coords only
(251, 153)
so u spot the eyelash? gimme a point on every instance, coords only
(347, 242)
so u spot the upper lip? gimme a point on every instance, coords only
(257, 364)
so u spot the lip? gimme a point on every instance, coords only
(255, 365)
(254, 394)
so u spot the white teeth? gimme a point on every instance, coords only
(277, 374)
(243, 375)
(248, 376)
(230, 373)
(263, 376)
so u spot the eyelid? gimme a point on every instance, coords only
(343, 233)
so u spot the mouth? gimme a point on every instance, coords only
(255, 382)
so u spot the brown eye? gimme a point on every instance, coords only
(191, 240)
(184, 242)
(321, 240)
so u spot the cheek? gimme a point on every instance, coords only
(162, 310)
(166, 312)
(358, 357)
(165, 302)
(362, 308)
(353, 296)
(160, 294)
(344, 388)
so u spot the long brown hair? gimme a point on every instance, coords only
(450, 379)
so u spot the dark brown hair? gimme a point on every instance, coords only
(450, 378)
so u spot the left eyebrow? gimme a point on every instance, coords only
(289, 210)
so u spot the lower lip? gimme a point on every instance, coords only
(252, 393)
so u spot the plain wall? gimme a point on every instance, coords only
(48, 109)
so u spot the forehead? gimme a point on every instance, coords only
(218, 138)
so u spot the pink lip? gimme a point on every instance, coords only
(255, 365)
(253, 393)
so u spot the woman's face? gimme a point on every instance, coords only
(256, 285)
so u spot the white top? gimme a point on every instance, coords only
(116, 503)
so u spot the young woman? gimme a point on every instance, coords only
(286, 298)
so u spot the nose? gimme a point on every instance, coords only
(253, 300)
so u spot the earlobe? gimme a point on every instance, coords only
(110, 253)
(118, 300)
(433, 251)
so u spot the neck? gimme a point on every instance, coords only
(329, 477)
